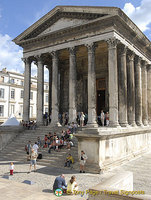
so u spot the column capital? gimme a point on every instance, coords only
(138, 60)
(112, 42)
(72, 51)
(131, 56)
(149, 66)
(144, 64)
(123, 49)
(91, 47)
(26, 60)
(38, 58)
(54, 55)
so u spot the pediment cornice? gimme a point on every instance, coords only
(76, 12)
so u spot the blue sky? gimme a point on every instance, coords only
(17, 15)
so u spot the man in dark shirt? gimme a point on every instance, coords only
(60, 183)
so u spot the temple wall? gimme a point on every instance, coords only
(111, 149)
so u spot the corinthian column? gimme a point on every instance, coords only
(72, 85)
(149, 93)
(123, 87)
(55, 103)
(40, 90)
(144, 94)
(27, 80)
(91, 86)
(138, 92)
(131, 89)
(113, 82)
(49, 67)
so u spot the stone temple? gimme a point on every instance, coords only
(97, 59)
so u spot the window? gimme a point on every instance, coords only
(46, 87)
(12, 81)
(31, 95)
(31, 111)
(2, 79)
(12, 109)
(22, 94)
(46, 110)
(12, 94)
(21, 110)
(46, 98)
(22, 83)
(1, 110)
(1, 93)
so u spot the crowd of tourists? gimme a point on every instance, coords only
(81, 119)
(30, 125)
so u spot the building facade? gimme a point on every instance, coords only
(97, 59)
(12, 95)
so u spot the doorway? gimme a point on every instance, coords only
(100, 92)
(100, 101)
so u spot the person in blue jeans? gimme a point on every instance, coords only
(60, 183)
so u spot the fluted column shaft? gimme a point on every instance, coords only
(91, 86)
(138, 92)
(55, 103)
(144, 94)
(40, 90)
(123, 87)
(131, 89)
(149, 93)
(27, 86)
(50, 88)
(113, 82)
(72, 85)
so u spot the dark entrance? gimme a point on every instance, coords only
(100, 101)
(100, 98)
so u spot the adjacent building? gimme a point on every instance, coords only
(12, 95)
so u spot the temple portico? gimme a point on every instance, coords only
(125, 71)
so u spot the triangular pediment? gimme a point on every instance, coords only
(63, 17)
(63, 23)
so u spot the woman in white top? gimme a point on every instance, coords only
(72, 185)
(82, 119)
(83, 159)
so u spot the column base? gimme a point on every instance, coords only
(139, 123)
(145, 122)
(133, 124)
(114, 124)
(92, 125)
(124, 124)
(55, 124)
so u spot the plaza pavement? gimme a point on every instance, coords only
(43, 180)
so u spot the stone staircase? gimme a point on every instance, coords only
(15, 151)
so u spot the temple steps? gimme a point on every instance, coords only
(15, 150)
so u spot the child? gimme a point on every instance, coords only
(11, 168)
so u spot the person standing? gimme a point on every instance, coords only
(35, 147)
(11, 168)
(83, 159)
(82, 117)
(102, 117)
(34, 156)
(107, 118)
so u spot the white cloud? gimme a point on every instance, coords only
(10, 55)
(140, 15)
